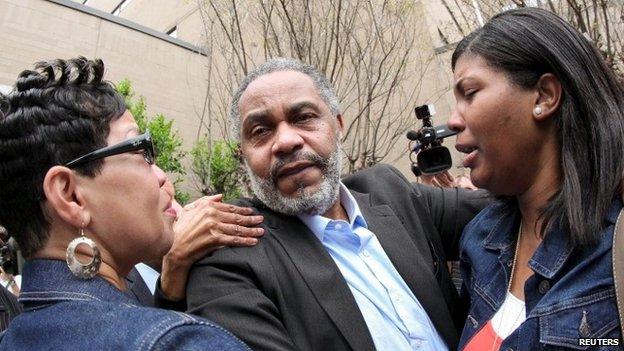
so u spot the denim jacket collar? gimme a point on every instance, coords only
(554, 250)
(550, 255)
(50, 281)
(502, 236)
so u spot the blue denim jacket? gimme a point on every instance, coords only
(62, 312)
(570, 296)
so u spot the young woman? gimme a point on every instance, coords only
(541, 120)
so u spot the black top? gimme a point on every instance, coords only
(9, 307)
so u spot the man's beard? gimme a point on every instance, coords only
(304, 201)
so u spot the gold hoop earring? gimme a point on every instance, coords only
(79, 269)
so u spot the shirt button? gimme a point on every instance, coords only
(338, 226)
(543, 287)
(365, 253)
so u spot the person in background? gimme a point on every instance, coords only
(9, 308)
(540, 119)
(9, 290)
(84, 200)
(447, 180)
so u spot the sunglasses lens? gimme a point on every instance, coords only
(148, 154)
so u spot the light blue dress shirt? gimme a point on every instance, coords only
(149, 275)
(395, 318)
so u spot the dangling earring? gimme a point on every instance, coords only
(80, 270)
(537, 110)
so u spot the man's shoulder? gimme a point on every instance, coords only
(381, 177)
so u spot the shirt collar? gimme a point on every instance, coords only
(46, 280)
(554, 250)
(317, 223)
(549, 256)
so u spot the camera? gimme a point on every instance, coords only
(9, 257)
(431, 156)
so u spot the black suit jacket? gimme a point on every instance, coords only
(287, 293)
(139, 289)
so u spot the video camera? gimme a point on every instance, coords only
(431, 156)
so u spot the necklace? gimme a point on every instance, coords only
(511, 276)
(513, 265)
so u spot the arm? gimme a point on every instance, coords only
(224, 288)
(202, 227)
(451, 209)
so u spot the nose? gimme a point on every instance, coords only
(287, 140)
(160, 175)
(456, 123)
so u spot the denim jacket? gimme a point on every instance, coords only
(571, 295)
(62, 312)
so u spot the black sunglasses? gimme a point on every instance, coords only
(141, 142)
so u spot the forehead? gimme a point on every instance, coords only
(472, 65)
(122, 128)
(277, 89)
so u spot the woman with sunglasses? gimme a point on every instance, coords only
(81, 194)
(540, 118)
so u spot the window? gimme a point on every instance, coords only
(510, 7)
(173, 32)
(122, 5)
(531, 3)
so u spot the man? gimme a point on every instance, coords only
(356, 265)
(9, 307)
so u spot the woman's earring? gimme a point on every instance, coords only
(80, 270)
(537, 110)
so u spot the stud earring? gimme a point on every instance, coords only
(79, 269)
(537, 110)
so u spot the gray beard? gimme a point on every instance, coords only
(304, 202)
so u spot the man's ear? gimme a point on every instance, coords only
(548, 99)
(64, 197)
(340, 124)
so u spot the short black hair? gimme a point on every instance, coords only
(57, 112)
(526, 43)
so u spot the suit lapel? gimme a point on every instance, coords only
(411, 259)
(323, 278)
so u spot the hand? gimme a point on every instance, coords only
(442, 180)
(202, 227)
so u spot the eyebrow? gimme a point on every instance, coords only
(458, 83)
(298, 106)
(461, 81)
(257, 117)
(134, 129)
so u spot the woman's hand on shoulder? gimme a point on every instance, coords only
(202, 227)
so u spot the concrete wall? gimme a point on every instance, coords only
(172, 77)
(169, 76)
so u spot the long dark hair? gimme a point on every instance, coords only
(526, 43)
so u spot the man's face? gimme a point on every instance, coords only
(291, 143)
